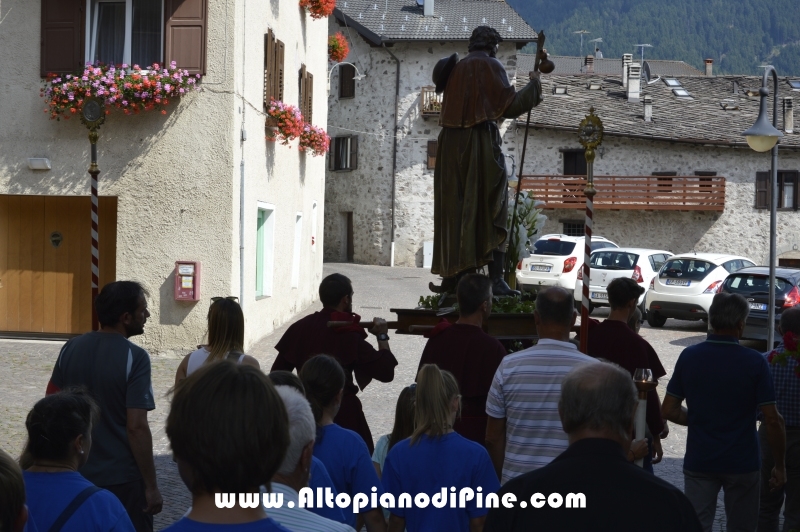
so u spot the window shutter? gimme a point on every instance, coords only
(62, 37)
(353, 152)
(269, 67)
(279, 51)
(433, 145)
(309, 96)
(303, 99)
(185, 34)
(762, 190)
(347, 82)
(795, 177)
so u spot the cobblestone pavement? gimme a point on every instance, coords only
(26, 368)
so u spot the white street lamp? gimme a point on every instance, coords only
(357, 77)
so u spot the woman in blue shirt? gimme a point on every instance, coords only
(59, 439)
(343, 451)
(434, 460)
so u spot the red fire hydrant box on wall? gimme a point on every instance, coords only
(187, 280)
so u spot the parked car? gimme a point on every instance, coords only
(686, 284)
(556, 261)
(753, 284)
(605, 265)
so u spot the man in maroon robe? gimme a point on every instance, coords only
(467, 352)
(311, 336)
(616, 342)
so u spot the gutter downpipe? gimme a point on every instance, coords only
(394, 146)
(242, 138)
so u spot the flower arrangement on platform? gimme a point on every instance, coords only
(530, 221)
(318, 8)
(338, 47)
(131, 89)
(286, 119)
(314, 139)
(790, 353)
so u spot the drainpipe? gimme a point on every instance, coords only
(394, 146)
(241, 233)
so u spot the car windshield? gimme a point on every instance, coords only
(613, 260)
(602, 244)
(553, 247)
(754, 284)
(687, 268)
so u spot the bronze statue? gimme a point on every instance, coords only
(470, 181)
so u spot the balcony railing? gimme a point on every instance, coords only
(658, 193)
(430, 103)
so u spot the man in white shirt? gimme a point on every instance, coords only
(293, 474)
(524, 430)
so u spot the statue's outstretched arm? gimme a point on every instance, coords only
(525, 99)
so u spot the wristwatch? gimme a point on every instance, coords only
(382, 337)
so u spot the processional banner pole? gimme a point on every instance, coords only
(93, 115)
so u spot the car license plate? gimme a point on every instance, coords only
(758, 306)
(679, 282)
(599, 295)
(535, 268)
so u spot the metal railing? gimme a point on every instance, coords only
(430, 103)
(659, 193)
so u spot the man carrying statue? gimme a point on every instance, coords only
(470, 181)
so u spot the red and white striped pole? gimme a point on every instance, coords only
(94, 171)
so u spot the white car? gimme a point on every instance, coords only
(556, 261)
(639, 264)
(686, 284)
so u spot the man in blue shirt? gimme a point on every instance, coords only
(787, 393)
(725, 385)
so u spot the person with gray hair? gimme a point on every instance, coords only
(293, 473)
(726, 385)
(597, 406)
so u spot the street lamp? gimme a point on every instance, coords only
(357, 77)
(762, 137)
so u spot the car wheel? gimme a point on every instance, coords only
(655, 319)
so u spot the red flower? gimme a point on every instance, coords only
(318, 8)
(771, 356)
(790, 342)
(338, 47)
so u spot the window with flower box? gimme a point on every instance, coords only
(273, 68)
(119, 32)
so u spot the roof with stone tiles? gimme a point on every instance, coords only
(700, 119)
(574, 65)
(403, 20)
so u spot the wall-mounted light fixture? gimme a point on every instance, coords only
(39, 163)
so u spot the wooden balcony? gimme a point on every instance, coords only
(430, 103)
(644, 193)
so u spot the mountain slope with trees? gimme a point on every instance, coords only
(739, 35)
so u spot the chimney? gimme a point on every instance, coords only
(626, 60)
(648, 108)
(709, 67)
(634, 81)
(427, 8)
(788, 115)
(588, 65)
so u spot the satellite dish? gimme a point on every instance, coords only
(646, 69)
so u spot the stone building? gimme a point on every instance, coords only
(379, 186)
(200, 183)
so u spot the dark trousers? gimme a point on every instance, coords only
(647, 461)
(771, 502)
(741, 498)
(131, 495)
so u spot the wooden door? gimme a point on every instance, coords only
(45, 261)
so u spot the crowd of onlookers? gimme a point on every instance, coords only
(525, 435)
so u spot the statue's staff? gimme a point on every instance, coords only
(545, 66)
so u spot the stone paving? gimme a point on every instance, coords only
(26, 368)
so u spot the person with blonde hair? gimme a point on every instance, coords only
(435, 459)
(225, 339)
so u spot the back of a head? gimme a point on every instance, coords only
(56, 420)
(117, 298)
(302, 427)
(323, 379)
(225, 328)
(484, 38)
(333, 288)
(555, 306)
(229, 426)
(599, 396)
(622, 290)
(727, 311)
(12, 492)
(434, 394)
(282, 377)
(473, 290)
(790, 321)
(404, 412)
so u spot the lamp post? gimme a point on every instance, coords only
(357, 77)
(763, 136)
(93, 115)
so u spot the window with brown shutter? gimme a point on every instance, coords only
(762, 190)
(185, 23)
(343, 154)
(433, 145)
(788, 184)
(62, 37)
(306, 93)
(347, 81)
(273, 68)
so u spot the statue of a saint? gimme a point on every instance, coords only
(470, 181)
